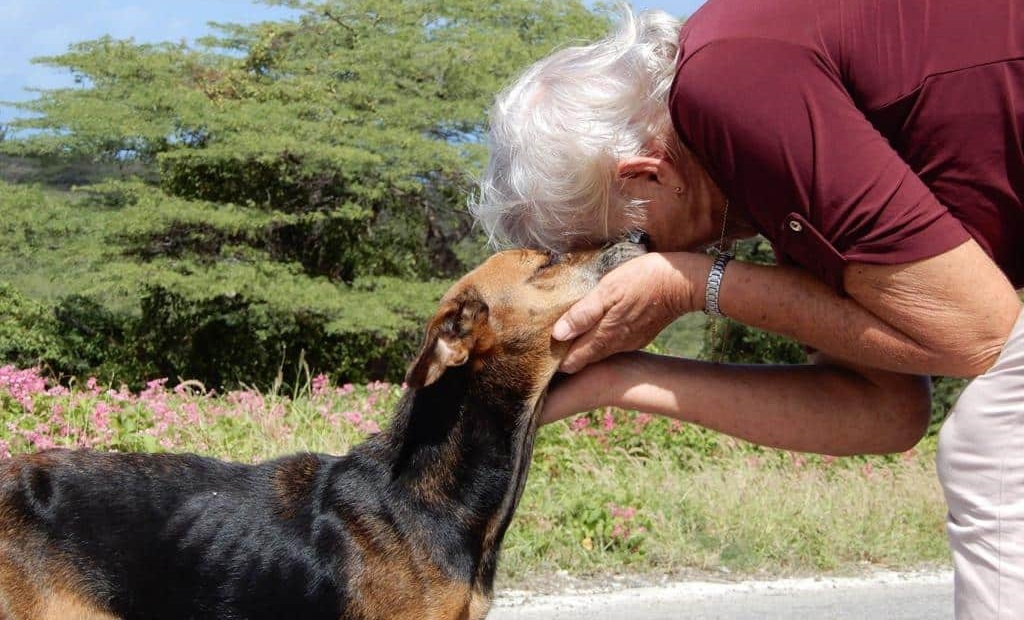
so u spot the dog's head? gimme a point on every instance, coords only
(498, 318)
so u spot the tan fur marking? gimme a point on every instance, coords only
(36, 582)
(292, 483)
(33, 588)
(61, 606)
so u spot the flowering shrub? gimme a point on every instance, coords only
(240, 425)
(608, 490)
(610, 527)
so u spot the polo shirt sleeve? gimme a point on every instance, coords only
(781, 136)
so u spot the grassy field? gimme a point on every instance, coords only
(609, 492)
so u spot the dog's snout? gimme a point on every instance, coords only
(639, 237)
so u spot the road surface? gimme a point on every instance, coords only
(881, 596)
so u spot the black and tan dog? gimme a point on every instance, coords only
(406, 526)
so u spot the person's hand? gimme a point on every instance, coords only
(630, 306)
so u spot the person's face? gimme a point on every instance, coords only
(684, 211)
(673, 221)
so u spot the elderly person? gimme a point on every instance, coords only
(878, 145)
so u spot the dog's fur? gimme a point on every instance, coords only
(406, 526)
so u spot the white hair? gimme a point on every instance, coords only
(558, 133)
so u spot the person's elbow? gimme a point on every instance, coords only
(908, 412)
(976, 357)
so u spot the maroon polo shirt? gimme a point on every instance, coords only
(874, 131)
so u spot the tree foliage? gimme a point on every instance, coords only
(284, 164)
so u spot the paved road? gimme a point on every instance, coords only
(885, 596)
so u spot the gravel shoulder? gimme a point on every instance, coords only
(917, 595)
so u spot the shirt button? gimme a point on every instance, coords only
(795, 226)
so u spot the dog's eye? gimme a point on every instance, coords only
(553, 259)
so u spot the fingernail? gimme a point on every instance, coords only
(567, 367)
(562, 331)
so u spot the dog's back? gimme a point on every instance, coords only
(181, 535)
(87, 535)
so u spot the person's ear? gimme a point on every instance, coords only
(657, 169)
(633, 167)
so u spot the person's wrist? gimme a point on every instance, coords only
(609, 373)
(696, 271)
(589, 389)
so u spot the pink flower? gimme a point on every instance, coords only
(101, 417)
(5, 449)
(642, 420)
(320, 384)
(58, 390)
(377, 386)
(38, 438)
(352, 417)
(580, 423)
(192, 416)
(22, 385)
(622, 512)
(121, 395)
(247, 402)
(369, 426)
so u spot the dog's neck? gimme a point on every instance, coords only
(461, 446)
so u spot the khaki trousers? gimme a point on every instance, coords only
(981, 468)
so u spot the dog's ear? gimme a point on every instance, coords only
(457, 328)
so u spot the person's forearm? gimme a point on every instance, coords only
(792, 302)
(814, 408)
(927, 333)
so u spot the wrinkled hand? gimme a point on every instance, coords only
(628, 308)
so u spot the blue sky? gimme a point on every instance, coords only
(31, 28)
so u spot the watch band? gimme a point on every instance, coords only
(714, 285)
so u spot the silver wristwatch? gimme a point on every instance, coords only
(715, 284)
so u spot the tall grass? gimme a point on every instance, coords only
(611, 491)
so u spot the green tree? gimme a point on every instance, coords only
(355, 123)
(333, 148)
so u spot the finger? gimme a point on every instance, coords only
(591, 347)
(581, 317)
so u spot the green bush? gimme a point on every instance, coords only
(98, 341)
(242, 323)
(245, 339)
(945, 392)
(27, 331)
